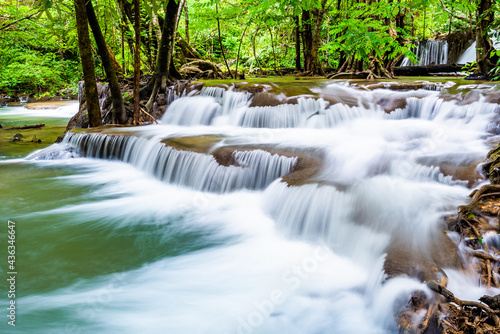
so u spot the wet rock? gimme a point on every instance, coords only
(256, 88)
(401, 261)
(158, 112)
(405, 86)
(470, 97)
(493, 96)
(198, 144)
(422, 263)
(161, 100)
(491, 301)
(391, 104)
(303, 171)
(17, 137)
(263, 99)
(478, 76)
(469, 173)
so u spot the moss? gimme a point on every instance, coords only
(10, 149)
(288, 85)
(105, 129)
(198, 144)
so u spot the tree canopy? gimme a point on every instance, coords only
(39, 41)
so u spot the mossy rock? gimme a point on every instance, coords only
(198, 144)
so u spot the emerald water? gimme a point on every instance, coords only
(120, 234)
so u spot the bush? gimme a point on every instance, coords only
(30, 71)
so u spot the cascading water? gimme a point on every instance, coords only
(428, 53)
(254, 169)
(268, 219)
(469, 54)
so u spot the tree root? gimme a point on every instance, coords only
(488, 190)
(149, 115)
(450, 297)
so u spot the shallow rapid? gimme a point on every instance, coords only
(234, 217)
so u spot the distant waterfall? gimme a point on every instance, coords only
(428, 53)
(469, 55)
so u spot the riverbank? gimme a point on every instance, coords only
(17, 143)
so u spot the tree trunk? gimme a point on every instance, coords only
(255, 52)
(122, 29)
(137, 60)
(239, 49)
(307, 37)
(220, 41)
(119, 115)
(483, 43)
(187, 50)
(275, 63)
(125, 9)
(186, 20)
(298, 67)
(165, 51)
(315, 65)
(84, 46)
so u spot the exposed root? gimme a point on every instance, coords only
(149, 115)
(450, 297)
(489, 190)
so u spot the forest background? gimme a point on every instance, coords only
(39, 52)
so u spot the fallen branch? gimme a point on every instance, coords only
(24, 127)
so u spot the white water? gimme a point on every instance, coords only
(469, 55)
(429, 52)
(66, 111)
(302, 259)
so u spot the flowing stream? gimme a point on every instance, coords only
(429, 53)
(231, 216)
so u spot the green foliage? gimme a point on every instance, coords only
(469, 68)
(40, 55)
(363, 33)
(28, 71)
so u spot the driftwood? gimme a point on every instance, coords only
(426, 70)
(24, 127)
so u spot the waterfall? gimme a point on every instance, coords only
(219, 107)
(469, 55)
(251, 169)
(303, 205)
(428, 53)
